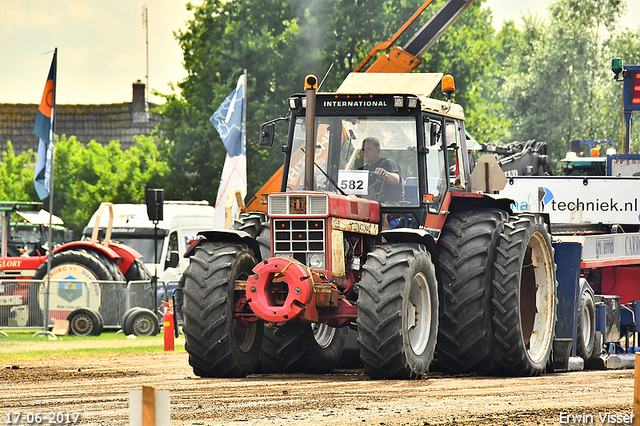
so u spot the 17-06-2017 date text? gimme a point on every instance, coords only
(46, 418)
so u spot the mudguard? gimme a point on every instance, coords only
(120, 254)
(223, 236)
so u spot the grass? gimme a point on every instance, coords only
(22, 345)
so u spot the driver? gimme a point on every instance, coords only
(386, 188)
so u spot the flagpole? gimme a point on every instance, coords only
(244, 133)
(244, 106)
(244, 112)
(51, 169)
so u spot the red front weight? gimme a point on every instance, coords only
(300, 288)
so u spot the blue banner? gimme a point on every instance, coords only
(228, 120)
(43, 129)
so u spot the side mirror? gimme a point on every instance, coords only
(267, 131)
(174, 260)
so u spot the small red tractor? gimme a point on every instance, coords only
(441, 272)
(76, 269)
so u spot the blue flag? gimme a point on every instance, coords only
(228, 120)
(43, 129)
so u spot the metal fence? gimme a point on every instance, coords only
(26, 303)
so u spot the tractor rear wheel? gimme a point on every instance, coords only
(137, 272)
(397, 312)
(114, 293)
(467, 248)
(70, 266)
(524, 296)
(249, 222)
(141, 294)
(297, 347)
(258, 226)
(218, 344)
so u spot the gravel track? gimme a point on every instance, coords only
(98, 388)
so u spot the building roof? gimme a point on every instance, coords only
(100, 122)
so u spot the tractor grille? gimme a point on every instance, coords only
(281, 205)
(298, 237)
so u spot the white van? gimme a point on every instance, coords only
(182, 222)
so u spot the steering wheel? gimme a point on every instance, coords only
(375, 179)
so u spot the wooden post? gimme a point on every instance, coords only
(148, 406)
(636, 391)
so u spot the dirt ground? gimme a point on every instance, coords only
(98, 389)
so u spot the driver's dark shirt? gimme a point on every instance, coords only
(390, 193)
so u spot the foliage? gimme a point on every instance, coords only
(16, 176)
(471, 53)
(541, 79)
(85, 176)
(560, 86)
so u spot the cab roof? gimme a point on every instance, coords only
(421, 85)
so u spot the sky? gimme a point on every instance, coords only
(102, 45)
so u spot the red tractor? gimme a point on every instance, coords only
(406, 252)
(74, 293)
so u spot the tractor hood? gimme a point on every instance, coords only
(40, 218)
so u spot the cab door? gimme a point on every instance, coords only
(458, 159)
(435, 163)
(436, 196)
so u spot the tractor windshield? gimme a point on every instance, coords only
(339, 159)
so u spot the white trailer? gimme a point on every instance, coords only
(602, 215)
(577, 202)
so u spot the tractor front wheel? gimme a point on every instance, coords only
(218, 344)
(397, 312)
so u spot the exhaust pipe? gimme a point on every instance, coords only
(310, 87)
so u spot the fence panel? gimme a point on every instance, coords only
(19, 303)
(140, 293)
(22, 302)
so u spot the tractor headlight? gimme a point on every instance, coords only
(316, 261)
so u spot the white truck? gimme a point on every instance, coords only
(181, 222)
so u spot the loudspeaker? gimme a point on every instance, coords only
(155, 204)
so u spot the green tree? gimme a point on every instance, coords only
(624, 44)
(471, 52)
(279, 42)
(560, 87)
(16, 176)
(85, 176)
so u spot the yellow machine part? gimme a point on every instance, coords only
(259, 201)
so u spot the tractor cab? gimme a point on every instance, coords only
(418, 145)
(15, 238)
